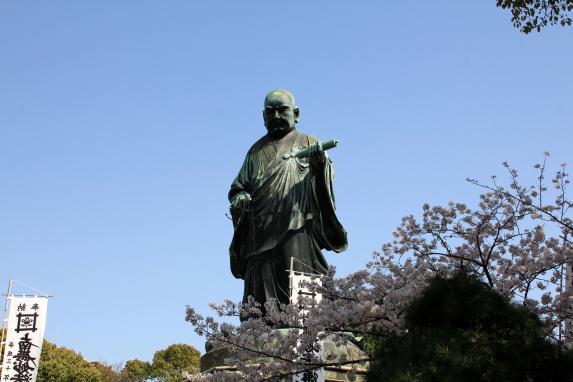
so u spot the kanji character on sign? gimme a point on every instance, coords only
(25, 363)
(26, 322)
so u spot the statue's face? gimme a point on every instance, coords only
(280, 114)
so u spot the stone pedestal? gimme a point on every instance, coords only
(214, 360)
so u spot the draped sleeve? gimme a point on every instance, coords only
(237, 249)
(327, 230)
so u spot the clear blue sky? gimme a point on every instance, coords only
(123, 123)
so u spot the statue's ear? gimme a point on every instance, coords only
(296, 114)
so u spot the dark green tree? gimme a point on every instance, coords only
(3, 337)
(169, 364)
(108, 373)
(58, 364)
(459, 329)
(136, 371)
(531, 15)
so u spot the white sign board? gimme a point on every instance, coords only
(296, 292)
(314, 375)
(24, 336)
(569, 291)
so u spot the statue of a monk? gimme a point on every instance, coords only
(282, 208)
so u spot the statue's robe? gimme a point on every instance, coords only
(292, 214)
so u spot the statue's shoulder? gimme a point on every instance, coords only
(294, 138)
(306, 138)
(258, 145)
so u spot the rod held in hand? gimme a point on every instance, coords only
(326, 145)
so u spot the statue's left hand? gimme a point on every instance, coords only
(316, 155)
(241, 201)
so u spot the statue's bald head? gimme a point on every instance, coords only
(280, 93)
(280, 113)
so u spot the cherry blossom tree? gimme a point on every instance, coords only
(517, 240)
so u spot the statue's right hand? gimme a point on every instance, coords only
(241, 201)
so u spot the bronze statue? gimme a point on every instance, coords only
(282, 205)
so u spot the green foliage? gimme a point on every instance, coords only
(3, 336)
(460, 329)
(136, 371)
(530, 15)
(58, 364)
(169, 364)
(108, 374)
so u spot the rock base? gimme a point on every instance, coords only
(214, 361)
